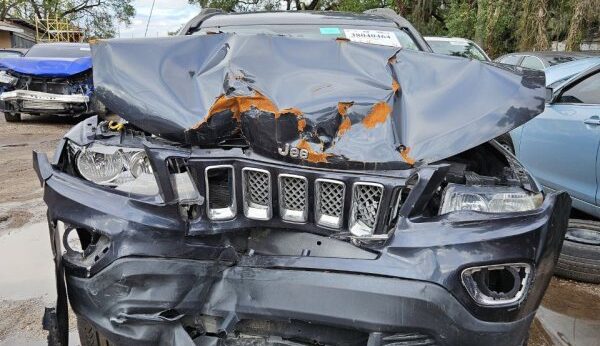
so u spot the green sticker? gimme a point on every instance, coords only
(330, 31)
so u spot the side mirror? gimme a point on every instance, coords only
(549, 95)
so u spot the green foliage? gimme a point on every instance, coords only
(461, 19)
(97, 18)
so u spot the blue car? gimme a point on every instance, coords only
(561, 147)
(52, 78)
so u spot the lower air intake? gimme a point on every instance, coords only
(408, 339)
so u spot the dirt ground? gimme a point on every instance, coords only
(569, 315)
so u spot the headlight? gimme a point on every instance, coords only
(125, 169)
(5, 78)
(128, 170)
(489, 199)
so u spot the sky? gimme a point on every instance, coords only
(168, 15)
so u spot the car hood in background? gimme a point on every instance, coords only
(346, 104)
(47, 67)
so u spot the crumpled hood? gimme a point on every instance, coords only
(47, 67)
(346, 104)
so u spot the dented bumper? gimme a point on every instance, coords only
(161, 279)
(38, 102)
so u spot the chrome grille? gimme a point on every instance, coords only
(329, 202)
(366, 200)
(293, 193)
(220, 192)
(257, 193)
(257, 187)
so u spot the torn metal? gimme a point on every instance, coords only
(352, 104)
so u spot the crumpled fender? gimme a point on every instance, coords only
(47, 67)
(340, 103)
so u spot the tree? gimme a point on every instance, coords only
(533, 22)
(97, 18)
(499, 26)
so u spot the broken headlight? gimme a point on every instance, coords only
(117, 167)
(489, 199)
(6, 78)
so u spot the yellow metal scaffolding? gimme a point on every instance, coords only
(57, 30)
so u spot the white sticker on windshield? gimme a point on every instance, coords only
(385, 38)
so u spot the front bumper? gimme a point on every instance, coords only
(42, 102)
(156, 281)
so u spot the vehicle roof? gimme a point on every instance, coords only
(20, 50)
(296, 17)
(446, 39)
(62, 44)
(555, 54)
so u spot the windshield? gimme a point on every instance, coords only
(58, 51)
(10, 54)
(458, 48)
(386, 36)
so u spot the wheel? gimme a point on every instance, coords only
(89, 336)
(12, 117)
(580, 255)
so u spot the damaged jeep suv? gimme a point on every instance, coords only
(299, 179)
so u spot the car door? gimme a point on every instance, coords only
(560, 146)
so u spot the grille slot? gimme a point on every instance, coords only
(220, 192)
(293, 195)
(257, 193)
(366, 202)
(329, 202)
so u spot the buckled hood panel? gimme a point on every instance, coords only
(47, 67)
(315, 102)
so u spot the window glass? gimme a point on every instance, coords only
(510, 59)
(457, 48)
(532, 62)
(309, 31)
(587, 91)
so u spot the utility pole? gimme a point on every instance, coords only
(149, 17)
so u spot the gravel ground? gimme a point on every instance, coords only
(570, 312)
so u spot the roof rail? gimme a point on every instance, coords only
(196, 21)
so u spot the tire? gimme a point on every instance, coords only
(580, 255)
(89, 336)
(12, 117)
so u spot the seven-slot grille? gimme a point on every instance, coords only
(329, 202)
(257, 193)
(293, 194)
(329, 199)
(366, 202)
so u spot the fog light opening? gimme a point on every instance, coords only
(81, 245)
(77, 240)
(497, 284)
